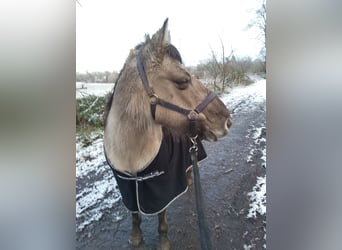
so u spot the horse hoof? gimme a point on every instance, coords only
(164, 243)
(135, 241)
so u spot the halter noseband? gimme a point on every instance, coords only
(192, 115)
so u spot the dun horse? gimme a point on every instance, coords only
(147, 135)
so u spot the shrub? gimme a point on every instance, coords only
(89, 112)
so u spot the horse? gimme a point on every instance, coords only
(156, 112)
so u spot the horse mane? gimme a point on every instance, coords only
(110, 99)
(173, 52)
(174, 134)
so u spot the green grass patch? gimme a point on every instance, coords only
(89, 114)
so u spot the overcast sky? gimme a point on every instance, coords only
(107, 30)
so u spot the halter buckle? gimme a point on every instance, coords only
(154, 99)
(193, 115)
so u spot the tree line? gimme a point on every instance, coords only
(218, 72)
(97, 77)
(226, 72)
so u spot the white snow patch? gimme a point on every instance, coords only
(98, 89)
(251, 155)
(90, 158)
(244, 98)
(258, 133)
(93, 201)
(263, 157)
(95, 197)
(257, 198)
(259, 143)
(247, 247)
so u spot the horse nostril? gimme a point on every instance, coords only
(229, 122)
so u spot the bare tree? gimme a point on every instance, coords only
(220, 69)
(259, 22)
(214, 68)
(224, 68)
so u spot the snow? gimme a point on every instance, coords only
(94, 198)
(259, 143)
(258, 198)
(248, 247)
(98, 89)
(246, 98)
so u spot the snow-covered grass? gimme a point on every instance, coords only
(93, 198)
(246, 98)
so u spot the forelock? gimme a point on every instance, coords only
(173, 52)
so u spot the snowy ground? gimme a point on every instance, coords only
(97, 196)
(247, 99)
(98, 89)
(94, 197)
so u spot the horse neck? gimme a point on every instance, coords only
(131, 142)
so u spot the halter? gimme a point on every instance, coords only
(192, 115)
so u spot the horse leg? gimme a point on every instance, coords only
(136, 236)
(162, 229)
(189, 177)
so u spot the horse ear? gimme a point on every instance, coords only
(162, 38)
(166, 33)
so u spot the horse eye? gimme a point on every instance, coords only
(183, 83)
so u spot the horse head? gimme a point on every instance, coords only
(169, 81)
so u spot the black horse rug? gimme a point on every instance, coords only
(161, 182)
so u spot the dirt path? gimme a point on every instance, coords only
(226, 177)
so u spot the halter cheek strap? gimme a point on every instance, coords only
(155, 100)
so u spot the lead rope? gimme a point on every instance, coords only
(202, 225)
